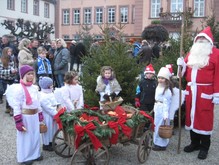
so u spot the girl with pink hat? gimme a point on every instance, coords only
(23, 98)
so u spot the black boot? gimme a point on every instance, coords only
(47, 148)
(195, 142)
(203, 154)
(191, 148)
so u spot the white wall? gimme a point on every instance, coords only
(15, 14)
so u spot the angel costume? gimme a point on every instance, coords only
(49, 105)
(28, 142)
(161, 112)
(70, 96)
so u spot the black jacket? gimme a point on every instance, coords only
(147, 91)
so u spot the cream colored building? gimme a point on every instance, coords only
(28, 10)
(134, 15)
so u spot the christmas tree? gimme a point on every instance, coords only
(110, 52)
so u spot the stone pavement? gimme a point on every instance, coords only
(119, 154)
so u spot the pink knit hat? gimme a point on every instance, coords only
(24, 69)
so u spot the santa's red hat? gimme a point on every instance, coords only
(207, 34)
(170, 67)
(149, 69)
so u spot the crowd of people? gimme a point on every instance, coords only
(32, 71)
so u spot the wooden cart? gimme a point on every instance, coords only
(63, 144)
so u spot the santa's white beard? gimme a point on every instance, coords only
(199, 54)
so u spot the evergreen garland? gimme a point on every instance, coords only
(102, 131)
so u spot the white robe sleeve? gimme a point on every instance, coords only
(48, 106)
(15, 97)
(65, 94)
(80, 104)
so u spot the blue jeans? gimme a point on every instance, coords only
(59, 80)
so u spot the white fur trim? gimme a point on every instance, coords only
(204, 35)
(149, 72)
(216, 94)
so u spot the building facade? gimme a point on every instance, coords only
(133, 15)
(28, 10)
(127, 16)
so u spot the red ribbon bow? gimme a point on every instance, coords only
(149, 117)
(125, 129)
(57, 117)
(80, 130)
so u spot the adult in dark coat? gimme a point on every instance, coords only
(33, 48)
(80, 52)
(72, 54)
(145, 53)
(60, 62)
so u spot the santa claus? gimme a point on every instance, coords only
(201, 70)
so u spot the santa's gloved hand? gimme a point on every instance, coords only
(180, 61)
(113, 95)
(19, 123)
(137, 102)
(40, 116)
(106, 97)
(215, 100)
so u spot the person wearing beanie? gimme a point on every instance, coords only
(24, 99)
(71, 94)
(163, 98)
(201, 71)
(50, 108)
(145, 91)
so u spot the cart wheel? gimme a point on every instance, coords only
(145, 146)
(87, 155)
(60, 146)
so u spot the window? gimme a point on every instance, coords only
(111, 15)
(176, 5)
(98, 37)
(76, 16)
(66, 17)
(66, 37)
(87, 16)
(124, 14)
(10, 4)
(46, 10)
(76, 37)
(24, 6)
(155, 8)
(36, 7)
(99, 15)
(199, 7)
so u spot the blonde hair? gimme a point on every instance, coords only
(24, 43)
(34, 77)
(62, 42)
(41, 49)
(5, 58)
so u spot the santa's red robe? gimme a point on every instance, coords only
(202, 85)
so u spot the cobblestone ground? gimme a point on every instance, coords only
(119, 154)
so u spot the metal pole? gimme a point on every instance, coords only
(180, 83)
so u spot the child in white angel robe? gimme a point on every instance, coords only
(71, 94)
